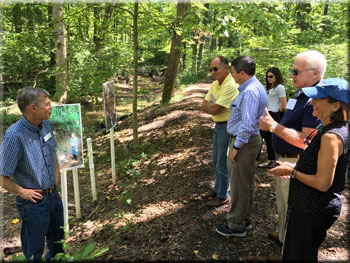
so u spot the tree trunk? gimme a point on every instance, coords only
(325, 13)
(194, 52)
(96, 38)
(202, 39)
(17, 22)
(52, 80)
(213, 44)
(174, 56)
(134, 96)
(61, 53)
(184, 57)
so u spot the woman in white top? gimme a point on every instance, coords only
(276, 105)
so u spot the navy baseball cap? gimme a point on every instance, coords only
(335, 88)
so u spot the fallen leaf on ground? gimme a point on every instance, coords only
(215, 256)
(15, 221)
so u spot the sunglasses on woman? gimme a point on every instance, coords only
(269, 76)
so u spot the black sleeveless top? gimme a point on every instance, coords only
(308, 200)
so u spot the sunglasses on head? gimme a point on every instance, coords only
(295, 72)
(213, 69)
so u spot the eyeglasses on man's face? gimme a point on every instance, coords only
(213, 69)
(296, 72)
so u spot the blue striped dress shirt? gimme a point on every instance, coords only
(246, 110)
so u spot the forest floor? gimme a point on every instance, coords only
(156, 210)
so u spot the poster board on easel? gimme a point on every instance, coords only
(67, 125)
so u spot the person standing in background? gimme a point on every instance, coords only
(276, 105)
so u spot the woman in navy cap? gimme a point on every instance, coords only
(319, 175)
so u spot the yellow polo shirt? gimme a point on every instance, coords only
(224, 95)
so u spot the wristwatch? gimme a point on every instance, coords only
(273, 127)
(294, 172)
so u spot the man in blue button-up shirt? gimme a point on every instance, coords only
(244, 146)
(27, 155)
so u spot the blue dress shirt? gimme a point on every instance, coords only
(27, 153)
(246, 110)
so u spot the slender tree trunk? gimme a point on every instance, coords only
(61, 53)
(202, 39)
(96, 38)
(194, 52)
(213, 44)
(174, 56)
(134, 97)
(17, 22)
(184, 57)
(52, 80)
(325, 12)
(200, 52)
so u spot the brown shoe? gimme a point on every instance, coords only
(218, 202)
(275, 258)
(274, 236)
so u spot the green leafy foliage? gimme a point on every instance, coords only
(99, 40)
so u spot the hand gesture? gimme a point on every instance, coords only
(266, 121)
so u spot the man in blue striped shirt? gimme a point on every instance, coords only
(244, 146)
(27, 154)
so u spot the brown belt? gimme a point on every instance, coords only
(48, 191)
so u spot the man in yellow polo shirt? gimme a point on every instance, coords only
(217, 103)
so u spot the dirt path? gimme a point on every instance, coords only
(156, 209)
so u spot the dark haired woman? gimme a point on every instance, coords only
(315, 201)
(276, 106)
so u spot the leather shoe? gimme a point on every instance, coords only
(218, 202)
(275, 258)
(274, 236)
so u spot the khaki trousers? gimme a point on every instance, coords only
(282, 192)
(242, 182)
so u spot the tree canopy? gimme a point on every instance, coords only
(99, 40)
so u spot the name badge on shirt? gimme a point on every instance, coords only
(47, 137)
(291, 104)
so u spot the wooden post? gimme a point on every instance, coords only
(92, 169)
(64, 198)
(76, 192)
(114, 179)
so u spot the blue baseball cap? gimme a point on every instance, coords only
(335, 88)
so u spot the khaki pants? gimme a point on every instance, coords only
(282, 192)
(242, 183)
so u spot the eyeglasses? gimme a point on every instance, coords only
(269, 76)
(213, 69)
(296, 72)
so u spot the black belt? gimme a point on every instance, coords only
(289, 155)
(220, 122)
(48, 191)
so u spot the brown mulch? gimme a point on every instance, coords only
(156, 210)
